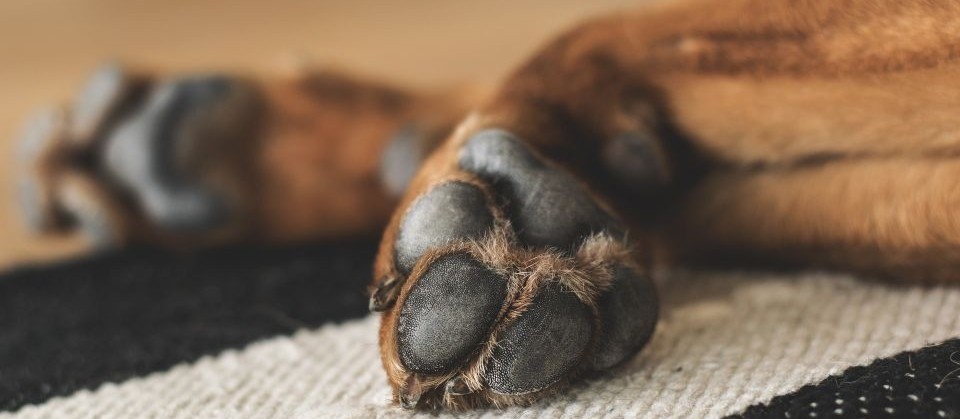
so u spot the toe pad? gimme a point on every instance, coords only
(548, 206)
(450, 211)
(448, 312)
(542, 345)
(628, 311)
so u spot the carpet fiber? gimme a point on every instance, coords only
(116, 316)
(253, 332)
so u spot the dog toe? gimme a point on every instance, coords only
(448, 212)
(41, 155)
(628, 314)
(448, 312)
(542, 345)
(547, 205)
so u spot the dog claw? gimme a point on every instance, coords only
(457, 387)
(411, 391)
(384, 295)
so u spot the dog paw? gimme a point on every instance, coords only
(194, 160)
(505, 281)
(132, 152)
(163, 154)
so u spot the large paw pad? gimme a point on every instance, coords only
(508, 280)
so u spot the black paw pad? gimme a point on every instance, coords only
(34, 204)
(41, 138)
(400, 160)
(628, 311)
(98, 229)
(41, 133)
(450, 211)
(147, 153)
(99, 99)
(548, 206)
(448, 313)
(542, 345)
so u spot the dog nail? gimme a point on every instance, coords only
(411, 391)
(457, 387)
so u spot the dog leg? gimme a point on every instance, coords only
(604, 131)
(201, 159)
(883, 217)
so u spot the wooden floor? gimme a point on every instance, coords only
(49, 46)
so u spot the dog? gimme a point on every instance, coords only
(520, 224)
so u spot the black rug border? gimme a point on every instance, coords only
(129, 313)
(109, 317)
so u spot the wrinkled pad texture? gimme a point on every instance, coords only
(448, 313)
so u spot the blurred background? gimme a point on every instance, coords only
(49, 47)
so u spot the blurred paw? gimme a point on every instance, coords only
(132, 156)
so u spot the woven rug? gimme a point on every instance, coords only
(284, 333)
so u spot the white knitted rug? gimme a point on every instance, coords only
(725, 342)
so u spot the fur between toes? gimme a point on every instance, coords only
(587, 274)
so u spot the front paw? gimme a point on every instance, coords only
(506, 280)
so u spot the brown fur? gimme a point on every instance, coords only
(303, 160)
(804, 132)
(812, 133)
(317, 168)
(797, 114)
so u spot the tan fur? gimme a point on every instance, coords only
(816, 133)
(836, 149)
(808, 99)
(892, 217)
(299, 158)
(810, 133)
(325, 133)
